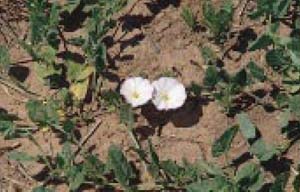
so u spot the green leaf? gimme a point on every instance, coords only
(284, 118)
(53, 38)
(217, 184)
(154, 166)
(42, 189)
(273, 28)
(277, 59)
(208, 55)
(93, 168)
(54, 16)
(74, 70)
(86, 72)
(171, 168)
(100, 58)
(126, 115)
(189, 17)
(246, 126)
(80, 89)
(222, 144)
(260, 43)
(38, 20)
(120, 166)
(256, 71)
(7, 128)
(68, 126)
(281, 7)
(4, 58)
(209, 168)
(195, 89)
(280, 182)
(240, 79)
(294, 105)
(274, 8)
(262, 151)
(153, 154)
(112, 99)
(212, 76)
(65, 157)
(47, 54)
(218, 21)
(9, 131)
(250, 177)
(76, 177)
(20, 156)
(76, 41)
(262, 7)
(44, 114)
(45, 71)
(282, 100)
(294, 51)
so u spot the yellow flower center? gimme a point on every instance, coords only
(165, 97)
(135, 95)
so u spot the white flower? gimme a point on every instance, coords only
(168, 93)
(137, 91)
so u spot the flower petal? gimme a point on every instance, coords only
(168, 93)
(136, 91)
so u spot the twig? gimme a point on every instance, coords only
(24, 61)
(23, 171)
(87, 137)
(11, 147)
(23, 92)
(5, 89)
(15, 181)
(63, 38)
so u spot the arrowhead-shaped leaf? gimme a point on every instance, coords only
(246, 126)
(222, 144)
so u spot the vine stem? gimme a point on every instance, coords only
(137, 146)
(134, 140)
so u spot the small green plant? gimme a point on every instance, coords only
(226, 88)
(275, 9)
(189, 18)
(283, 58)
(218, 20)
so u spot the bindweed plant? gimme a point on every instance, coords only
(274, 9)
(46, 36)
(218, 20)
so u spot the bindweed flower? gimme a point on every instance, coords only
(168, 93)
(137, 91)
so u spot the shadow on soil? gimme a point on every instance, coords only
(129, 22)
(19, 72)
(185, 117)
